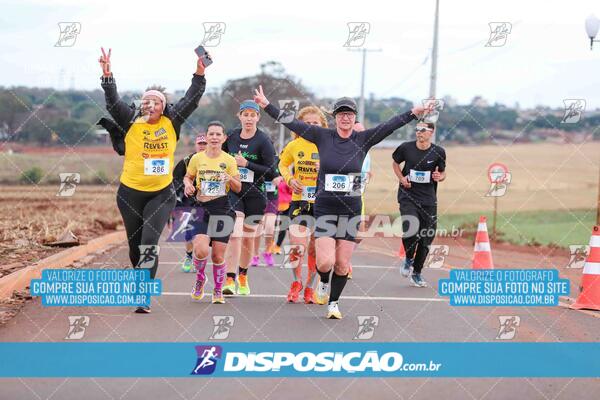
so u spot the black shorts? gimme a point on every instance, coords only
(302, 213)
(337, 217)
(219, 228)
(250, 203)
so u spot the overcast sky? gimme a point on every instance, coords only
(546, 57)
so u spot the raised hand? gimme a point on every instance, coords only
(200, 67)
(260, 98)
(104, 61)
(420, 111)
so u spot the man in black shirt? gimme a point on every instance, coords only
(424, 166)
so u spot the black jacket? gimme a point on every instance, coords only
(123, 114)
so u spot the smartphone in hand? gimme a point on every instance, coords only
(203, 55)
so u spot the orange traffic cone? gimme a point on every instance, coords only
(482, 254)
(589, 296)
(401, 252)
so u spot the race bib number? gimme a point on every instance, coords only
(337, 183)
(212, 188)
(269, 187)
(156, 166)
(420, 176)
(246, 175)
(309, 193)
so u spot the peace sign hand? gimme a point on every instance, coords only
(104, 61)
(260, 98)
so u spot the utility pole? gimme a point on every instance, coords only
(434, 54)
(361, 101)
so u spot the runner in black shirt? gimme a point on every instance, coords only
(424, 166)
(183, 201)
(255, 157)
(341, 153)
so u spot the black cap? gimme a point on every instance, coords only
(344, 104)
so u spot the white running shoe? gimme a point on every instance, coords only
(333, 312)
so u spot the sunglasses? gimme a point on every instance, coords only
(423, 130)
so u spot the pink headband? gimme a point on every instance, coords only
(157, 94)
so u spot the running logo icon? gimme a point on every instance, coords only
(499, 32)
(68, 183)
(183, 221)
(434, 115)
(68, 34)
(437, 256)
(578, 253)
(213, 31)
(207, 359)
(223, 325)
(287, 112)
(148, 255)
(574, 109)
(357, 33)
(366, 327)
(291, 254)
(508, 326)
(77, 325)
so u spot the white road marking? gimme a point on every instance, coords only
(282, 296)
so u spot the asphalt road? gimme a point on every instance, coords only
(405, 314)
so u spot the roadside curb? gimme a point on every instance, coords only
(19, 280)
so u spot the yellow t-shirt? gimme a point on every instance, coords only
(149, 155)
(207, 169)
(305, 157)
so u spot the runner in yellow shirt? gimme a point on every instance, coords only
(304, 157)
(215, 173)
(146, 137)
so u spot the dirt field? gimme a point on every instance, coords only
(32, 216)
(544, 177)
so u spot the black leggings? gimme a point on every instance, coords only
(417, 245)
(145, 215)
(281, 233)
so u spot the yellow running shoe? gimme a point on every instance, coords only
(217, 297)
(275, 249)
(198, 290)
(229, 287)
(243, 287)
(322, 293)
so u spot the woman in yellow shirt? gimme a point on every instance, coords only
(303, 155)
(215, 173)
(147, 138)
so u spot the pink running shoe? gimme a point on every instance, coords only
(268, 257)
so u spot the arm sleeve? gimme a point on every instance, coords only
(398, 154)
(377, 134)
(267, 154)
(189, 102)
(117, 108)
(285, 160)
(178, 174)
(312, 133)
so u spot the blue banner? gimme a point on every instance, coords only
(504, 287)
(300, 359)
(95, 287)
